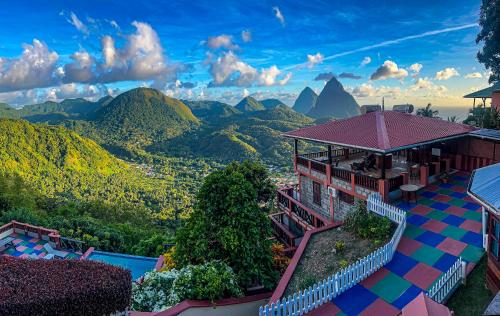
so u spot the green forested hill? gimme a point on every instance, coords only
(8, 112)
(143, 116)
(62, 164)
(253, 134)
(249, 104)
(210, 110)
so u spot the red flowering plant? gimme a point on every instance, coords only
(62, 287)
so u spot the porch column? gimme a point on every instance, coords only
(485, 225)
(329, 154)
(295, 146)
(383, 167)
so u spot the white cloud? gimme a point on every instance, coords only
(415, 68)
(246, 36)
(229, 70)
(425, 84)
(279, 15)
(225, 41)
(246, 93)
(474, 75)
(18, 98)
(313, 60)
(366, 61)
(446, 73)
(81, 69)
(75, 21)
(34, 68)
(367, 90)
(114, 24)
(389, 70)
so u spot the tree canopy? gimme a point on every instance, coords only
(427, 111)
(489, 20)
(227, 224)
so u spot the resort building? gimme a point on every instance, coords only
(390, 152)
(484, 187)
(492, 93)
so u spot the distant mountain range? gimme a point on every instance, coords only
(306, 101)
(146, 119)
(334, 102)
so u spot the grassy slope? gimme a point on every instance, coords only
(473, 298)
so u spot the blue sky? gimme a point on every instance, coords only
(413, 51)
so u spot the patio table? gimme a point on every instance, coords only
(409, 192)
(7, 242)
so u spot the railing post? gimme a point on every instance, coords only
(464, 272)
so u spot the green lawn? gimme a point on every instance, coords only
(472, 299)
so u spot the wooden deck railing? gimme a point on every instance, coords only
(342, 174)
(281, 231)
(301, 214)
(366, 182)
(395, 183)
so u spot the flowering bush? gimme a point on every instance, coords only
(161, 290)
(368, 225)
(154, 293)
(62, 287)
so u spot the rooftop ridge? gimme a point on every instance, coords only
(382, 136)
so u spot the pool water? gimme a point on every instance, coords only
(137, 265)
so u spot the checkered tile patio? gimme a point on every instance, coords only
(27, 245)
(443, 225)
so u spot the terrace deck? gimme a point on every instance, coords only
(26, 245)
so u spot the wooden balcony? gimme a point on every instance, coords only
(400, 168)
(288, 202)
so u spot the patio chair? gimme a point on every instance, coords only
(33, 256)
(55, 253)
(49, 257)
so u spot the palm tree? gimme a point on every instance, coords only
(452, 119)
(427, 111)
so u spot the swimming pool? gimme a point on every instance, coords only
(137, 265)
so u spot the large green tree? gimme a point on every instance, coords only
(227, 224)
(489, 55)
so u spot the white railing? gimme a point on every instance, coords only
(324, 291)
(448, 282)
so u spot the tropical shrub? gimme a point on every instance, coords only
(280, 260)
(161, 290)
(339, 246)
(62, 287)
(368, 225)
(168, 260)
(227, 224)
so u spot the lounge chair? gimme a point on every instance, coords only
(55, 253)
(7, 242)
(49, 256)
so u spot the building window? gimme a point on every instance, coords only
(346, 198)
(317, 193)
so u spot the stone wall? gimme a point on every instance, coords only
(341, 183)
(341, 208)
(306, 197)
(363, 191)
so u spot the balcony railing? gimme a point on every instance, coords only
(302, 215)
(395, 183)
(281, 231)
(366, 182)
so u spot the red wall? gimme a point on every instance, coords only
(495, 100)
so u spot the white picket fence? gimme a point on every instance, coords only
(322, 292)
(448, 282)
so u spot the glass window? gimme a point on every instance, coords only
(316, 193)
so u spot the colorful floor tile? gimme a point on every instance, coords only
(26, 245)
(443, 225)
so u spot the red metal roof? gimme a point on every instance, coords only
(382, 131)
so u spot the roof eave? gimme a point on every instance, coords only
(378, 150)
(479, 199)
